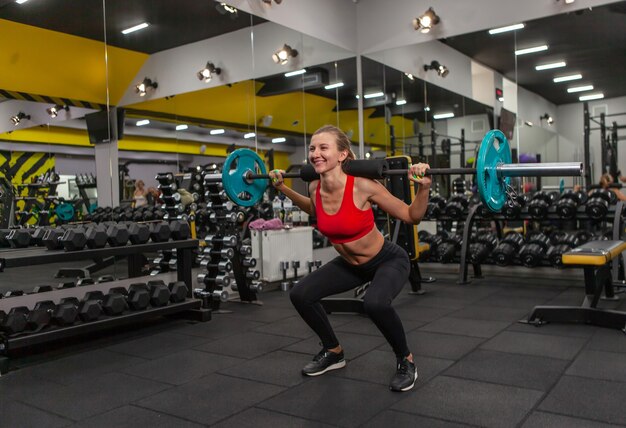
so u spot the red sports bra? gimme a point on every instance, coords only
(349, 223)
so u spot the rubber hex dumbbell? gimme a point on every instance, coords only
(436, 206)
(160, 232)
(479, 250)
(178, 291)
(555, 254)
(74, 239)
(159, 293)
(138, 297)
(96, 236)
(19, 238)
(41, 315)
(15, 321)
(113, 303)
(42, 289)
(447, 250)
(539, 205)
(180, 230)
(456, 206)
(138, 233)
(568, 204)
(117, 236)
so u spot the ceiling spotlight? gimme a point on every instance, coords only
(549, 120)
(442, 70)
(224, 9)
(207, 72)
(426, 22)
(282, 55)
(142, 88)
(279, 140)
(18, 118)
(400, 102)
(54, 111)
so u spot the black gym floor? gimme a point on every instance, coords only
(477, 366)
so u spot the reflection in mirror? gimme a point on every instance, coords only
(45, 152)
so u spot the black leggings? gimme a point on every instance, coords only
(387, 272)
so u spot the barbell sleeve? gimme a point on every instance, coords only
(557, 169)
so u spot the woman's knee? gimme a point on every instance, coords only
(373, 306)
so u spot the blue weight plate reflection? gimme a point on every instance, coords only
(238, 189)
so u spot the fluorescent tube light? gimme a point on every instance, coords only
(334, 85)
(374, 95)
(567, 78)
(135, 28)
(216, 131)
(531, 50)
(279, 140)
(249, 135)
(507, 28)
(580, 88)
(443, 115)
(295, 73)
(181, 127)
(591, 97)
(142, 122)
(550, 66)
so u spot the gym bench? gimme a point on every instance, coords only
(595, 257)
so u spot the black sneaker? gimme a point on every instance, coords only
(405, 377)
(323, 362)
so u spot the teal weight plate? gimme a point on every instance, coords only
(65, 211)
(238, 189)
(494, 150)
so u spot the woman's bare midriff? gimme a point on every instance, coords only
(363, 249)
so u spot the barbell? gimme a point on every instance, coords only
(244, 176)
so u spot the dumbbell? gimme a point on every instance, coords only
(284, 284)
(171, 199)
(180, 217)
(479, 250)
(13, 293)
(164, 177)
(505, 251)
(568, 204)
(295, 264)
(227, 241)
(206, 296)
(19, 238)
(446, 251)
(222, 266)
(159, 293)
(42, 289)
(456, 206)
(251, 262)
(178, 291)
(256, 286)
(3, 238)
(74, 239)
(225, 206)
(597, 205)
(174, 209)
(255, 274)
(231, 217)
(96, 236)
(138, 296)
(436, 206)
(160, 232)
(113, 303)
(138, 233)
(219, 280)
(534, 250)
(46, 312)
(432, 240)
(539, 205)
(227, 253)
(245, 250)
(168, 189)
(117, 236)
(15, 321)
(180, 230)
(555, 253)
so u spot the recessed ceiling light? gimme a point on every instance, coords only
(443, 115)
(181, 127)
(567, 78)
(135, 28)
(279, 140)
(249, 135)
(374, 95)
(20, 1)
(531, 50)
(507, 28)
(551, 65)
(295, 73)
(580, 88)
(216, 131)
(400, 102)
(334, 85)
(591, 97)
(142, 122)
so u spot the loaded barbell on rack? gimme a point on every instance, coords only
(244, 176)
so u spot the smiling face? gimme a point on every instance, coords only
(324, 154)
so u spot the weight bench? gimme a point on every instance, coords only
(595, 257)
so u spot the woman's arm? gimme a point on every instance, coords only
(301, 201)
(618, 193)
(395, 207)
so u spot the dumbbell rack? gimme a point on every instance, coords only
(614, 215)
(191, 308)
